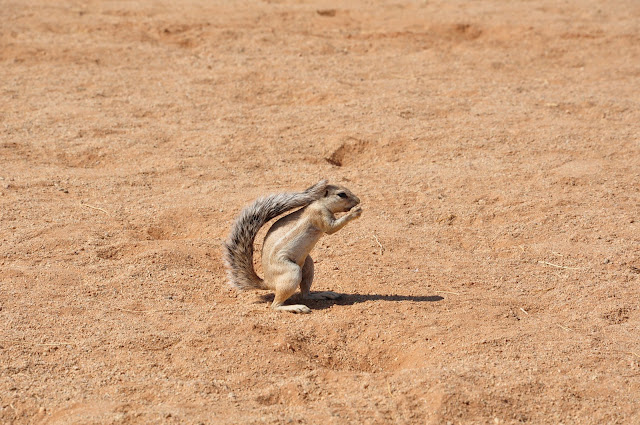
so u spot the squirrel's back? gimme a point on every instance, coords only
(238, 249)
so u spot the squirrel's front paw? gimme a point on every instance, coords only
(356, 211)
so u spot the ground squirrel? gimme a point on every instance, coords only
(285, 252)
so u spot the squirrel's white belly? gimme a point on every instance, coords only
(300, 246)
(293, 244)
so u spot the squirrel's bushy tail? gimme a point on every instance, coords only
(238, 249)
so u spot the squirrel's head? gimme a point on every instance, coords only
(339, 198)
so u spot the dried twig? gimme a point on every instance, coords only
(545, 290)
(633, 353)
(558, 266)
(524, 311)
(161, 310)
(96, 208)
(49, 344)
(565, 328)
(126, 310)
(379, 244)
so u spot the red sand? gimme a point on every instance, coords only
(493, 277)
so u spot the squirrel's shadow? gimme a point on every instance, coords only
(351, 299)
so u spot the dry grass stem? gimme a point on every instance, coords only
(558, 266)
(161, 310)
(524, 311)
(48, 344)
(96, 208)
(379, 244)
(545, 290)
(447, 292)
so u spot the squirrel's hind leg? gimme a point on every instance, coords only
(286, 283)
(307, 280)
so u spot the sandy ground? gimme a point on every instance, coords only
(493, 277)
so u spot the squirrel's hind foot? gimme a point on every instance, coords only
(325, 295)
(295, 308)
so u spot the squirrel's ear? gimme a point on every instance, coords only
(318, 188)
(326, 193)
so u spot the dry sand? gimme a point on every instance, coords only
(494, 276)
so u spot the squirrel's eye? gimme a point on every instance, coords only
(342, 195)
